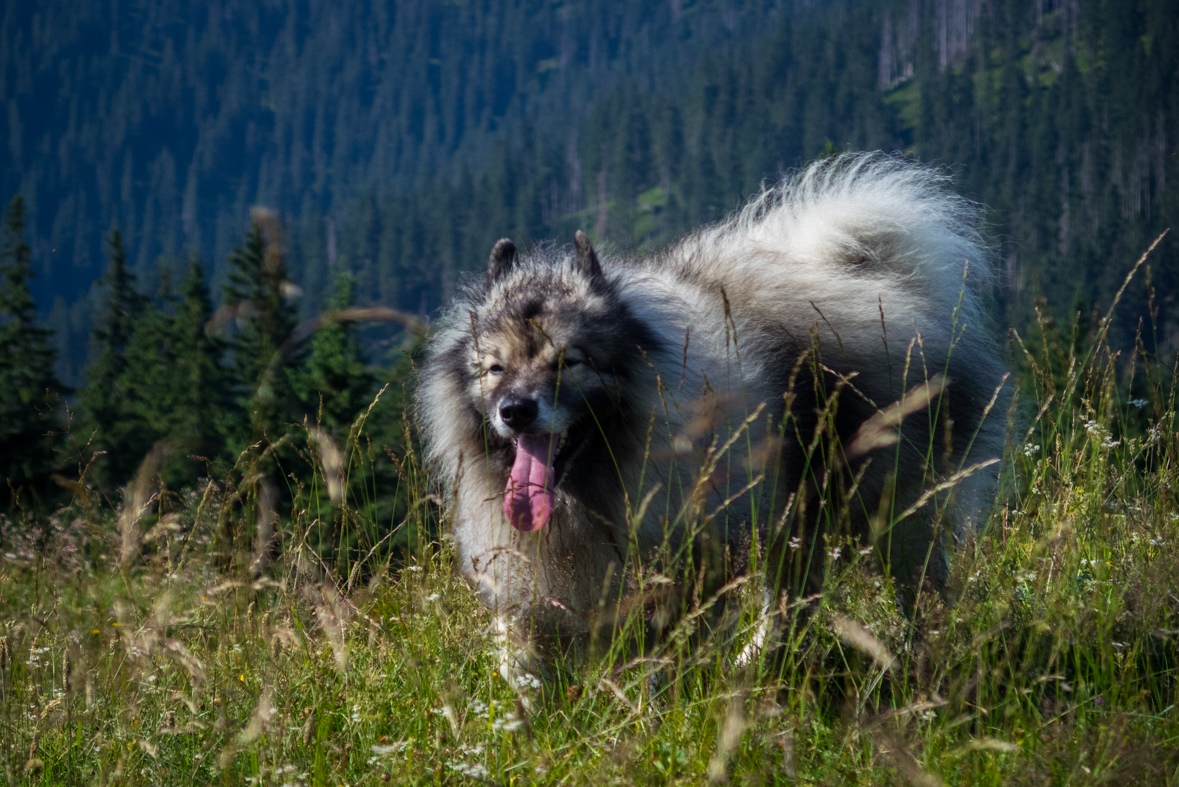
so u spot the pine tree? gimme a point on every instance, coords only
(173, 384)
(27, 381)
(148, 393)
(203, 415)
(117, 427)
(335, 383)
(256, 294)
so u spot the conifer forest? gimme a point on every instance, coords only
(392, 145)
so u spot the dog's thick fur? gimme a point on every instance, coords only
(594, 401)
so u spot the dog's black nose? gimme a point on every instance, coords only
(518, 413)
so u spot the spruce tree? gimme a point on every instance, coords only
(255, 293)
(118, 428)
(148, 391)
(203, 415)
(28, 384)
(335, 384)
(173, 384)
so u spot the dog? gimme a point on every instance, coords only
(817, 365)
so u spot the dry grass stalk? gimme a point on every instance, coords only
(139, 497)
(732, 728)
(864, 641)
(884, 427)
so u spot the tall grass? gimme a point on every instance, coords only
(214, 637)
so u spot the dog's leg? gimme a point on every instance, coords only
(516, 666)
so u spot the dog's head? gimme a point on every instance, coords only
(550, 350)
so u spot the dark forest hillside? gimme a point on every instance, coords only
(399, 141)
(171, 120)
(258, 164)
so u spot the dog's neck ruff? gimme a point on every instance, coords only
(530, 496)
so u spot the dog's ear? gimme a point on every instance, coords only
(503, 256)
(587, 259)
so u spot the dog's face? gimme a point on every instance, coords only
(549, 344)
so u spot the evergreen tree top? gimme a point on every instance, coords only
(16, 301)
(28, 383)
(24, 345)
(123, 302)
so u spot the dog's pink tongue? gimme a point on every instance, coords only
(529, 497)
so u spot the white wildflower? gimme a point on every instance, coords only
(472, 770)
(507, 723)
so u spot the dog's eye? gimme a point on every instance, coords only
(495, 369)
(571, 362)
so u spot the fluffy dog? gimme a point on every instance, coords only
(816, 365)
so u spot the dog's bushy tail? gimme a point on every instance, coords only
(875, 212)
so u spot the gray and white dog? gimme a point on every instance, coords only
(818, 364)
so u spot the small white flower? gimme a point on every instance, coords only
(866, 551)
(415, 569)
(795, 543)
(835, 553)
(471, 770)
(507, 723)
(432, 597)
